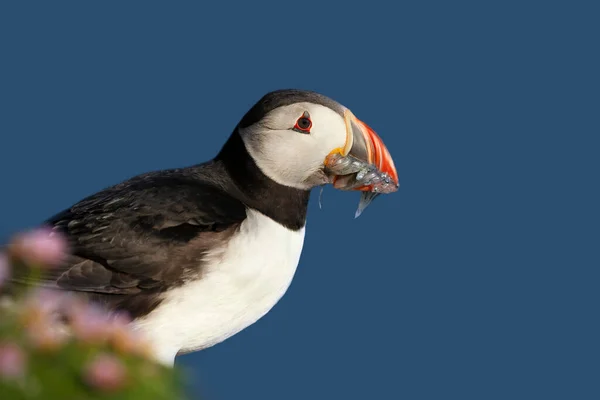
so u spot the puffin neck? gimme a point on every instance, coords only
(284, 204)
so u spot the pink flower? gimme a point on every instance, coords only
(47, 301)
(42, 307)
(89, 323)
(120, 319)
(41, 314)
(4, 268)
(48, 338)
(12, 361)
(41, 247)
(125, 340)
(106, 373)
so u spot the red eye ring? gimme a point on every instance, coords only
(303, 124)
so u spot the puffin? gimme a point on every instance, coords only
(196, 254)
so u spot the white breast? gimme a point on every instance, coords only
(241, 283)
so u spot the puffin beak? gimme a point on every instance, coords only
(365, 145)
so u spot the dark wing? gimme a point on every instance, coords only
(131, 242)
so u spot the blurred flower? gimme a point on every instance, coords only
(4, 268)
(106, 373)
(42, 307)
(120, 319)
(89, 323)
(48, 338)
(12, 361)
(41, 247)
(42, 315)
(63, 327)
(127, 341)
(48, 301)
(93, 324)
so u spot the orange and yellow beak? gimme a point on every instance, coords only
(364, 144)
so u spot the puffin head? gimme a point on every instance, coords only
(291, 135)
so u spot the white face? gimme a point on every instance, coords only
(290, 157)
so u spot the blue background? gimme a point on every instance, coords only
(477, 280)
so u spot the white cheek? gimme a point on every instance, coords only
(291, 158)
(285, 158)
(328, 133)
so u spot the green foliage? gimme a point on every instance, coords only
(92, 356)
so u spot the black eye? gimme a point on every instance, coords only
(303, 124)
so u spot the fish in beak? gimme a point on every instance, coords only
(363, 164)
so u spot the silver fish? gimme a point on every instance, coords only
(350, 173)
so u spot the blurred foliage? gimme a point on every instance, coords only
(53, 345)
